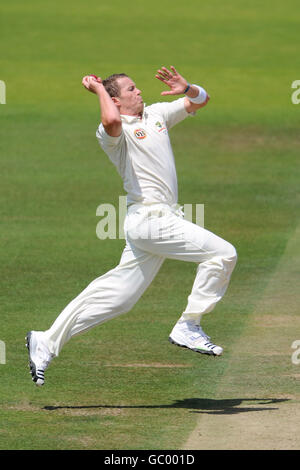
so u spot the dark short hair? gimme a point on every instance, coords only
(111, 85)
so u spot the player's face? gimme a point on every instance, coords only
(130, 99)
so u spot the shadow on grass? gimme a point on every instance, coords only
(197, 405)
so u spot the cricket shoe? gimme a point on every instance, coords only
(190, 335)
(39, 356)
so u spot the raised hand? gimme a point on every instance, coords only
(91, 82)
(173, 80)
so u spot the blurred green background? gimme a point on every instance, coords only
(245, 54)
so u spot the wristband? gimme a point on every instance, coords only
(201, 97)
(187, 88)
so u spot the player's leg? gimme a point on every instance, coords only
(173, 237)
(106, 297)
(212, 279)
(217, 261)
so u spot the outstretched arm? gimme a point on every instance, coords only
(110, 115)
(178, 85)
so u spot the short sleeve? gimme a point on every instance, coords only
(112, 146)
(172, 112)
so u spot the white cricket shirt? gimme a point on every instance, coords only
(143, 154)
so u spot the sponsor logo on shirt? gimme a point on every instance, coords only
(140, 133)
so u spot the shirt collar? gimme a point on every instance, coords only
(130, 119)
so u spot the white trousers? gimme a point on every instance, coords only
(153, 233)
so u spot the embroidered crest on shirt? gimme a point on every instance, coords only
(140, 133)
(161, 127)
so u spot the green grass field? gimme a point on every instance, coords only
(122, 385)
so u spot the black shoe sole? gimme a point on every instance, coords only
(209, 353)
(32, 365)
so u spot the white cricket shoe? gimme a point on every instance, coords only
(39, 356)
(189, 335)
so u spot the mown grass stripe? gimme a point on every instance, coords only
(261, 372)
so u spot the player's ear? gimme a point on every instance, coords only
(116, 101)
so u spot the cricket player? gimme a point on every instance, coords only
(136, 139)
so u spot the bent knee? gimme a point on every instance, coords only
(229, 253)
(232, 252)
